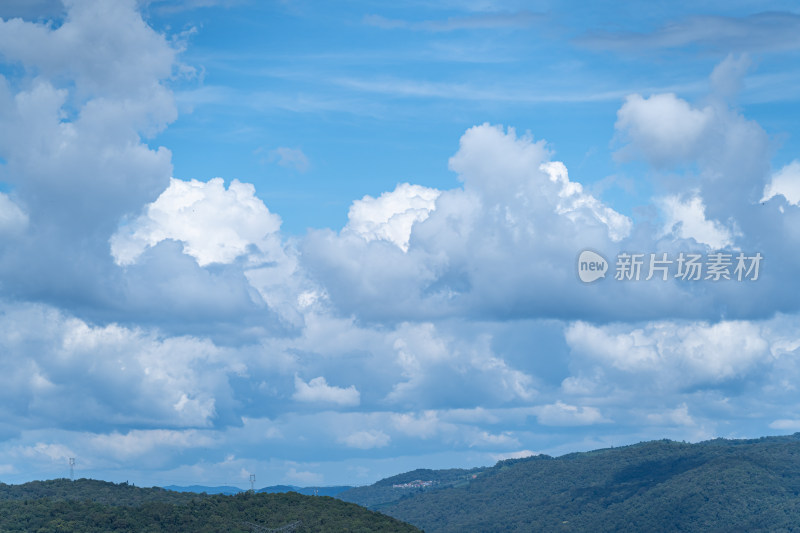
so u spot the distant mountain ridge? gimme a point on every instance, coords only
(332, 491)
(717, 485)
(92, 506)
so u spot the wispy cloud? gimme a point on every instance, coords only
(519, 20)
(293, 158)
(771, 31)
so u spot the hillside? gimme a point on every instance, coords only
(392, 489)
(95, 506)
(308, 491)
(719, 485)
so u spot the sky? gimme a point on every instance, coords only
(328, 242)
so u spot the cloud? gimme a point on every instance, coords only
(486, 439)
(290, 158)
(133, 55)
(31, 9)
(303, 477)
(519, 20)
(784, 424)
(71, 142)
(13, 220)
(727, 78)
(521, 454)
(686, 219)
(679, 416)
(215, 225)
(392, 215)
(767, 31)
(68, 372)
(785, 182)
(561, 414)
(438, 370)
(137, 443)
(574, 203)
(663, 128)
(318, 390)
(496, 245)
(675, 354)
(365, 440)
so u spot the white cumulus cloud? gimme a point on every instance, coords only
(12, 218)
(786, 182)
(562, 414)
(215, 225)
(681, 353)
(391, 216)
(318, 390)
(663, 128)
(367, 439)
(686, 219)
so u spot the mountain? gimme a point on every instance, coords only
(200, 489)
(91, 506)
(718, 485)
(333, 491)
(392, 489)
(308, 491)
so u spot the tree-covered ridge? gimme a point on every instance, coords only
(96, 506)
(720, 485)
(91, 490)
(386, 491)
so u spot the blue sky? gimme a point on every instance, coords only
(325, 243)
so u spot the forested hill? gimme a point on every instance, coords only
(92, 506)
(718, 485)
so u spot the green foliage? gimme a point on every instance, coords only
(97, 506)
(385, 493)
(719, 485)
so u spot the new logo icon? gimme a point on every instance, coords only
(591, 266)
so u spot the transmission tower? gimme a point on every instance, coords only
(252, 482)
(72, 469)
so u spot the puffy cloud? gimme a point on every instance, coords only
(132, 57)
(365, 440)
(391, 216)
(12, 218)
(31, 9)
(677, 354)
(686, 219)
(497, 246)
(562, 414)
(521, 454)
(423, 425)
(679, 416)
(304, 477)
(663, 128)
(486, 439)
(137, 443)
(318, 390)
(69, 372)
(786, 182)
(575, 203)
(438, 370)
(215, 225)
(72, 119)
(727, 78)
(785, 424)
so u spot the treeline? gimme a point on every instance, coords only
(720, 485)
(95, 506)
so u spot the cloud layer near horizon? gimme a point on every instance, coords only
(166, 324)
